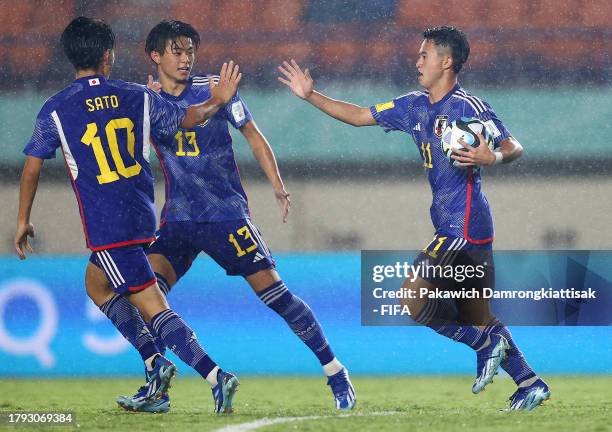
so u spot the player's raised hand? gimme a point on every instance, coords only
(21, 239)
(299, 82)
(153, 85)
(471, 156)
(226, 88)
(282, 197)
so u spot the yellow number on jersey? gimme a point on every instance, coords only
(426, 151)
(191, 140)
(434, 252)
(246, 234)
(91, 138)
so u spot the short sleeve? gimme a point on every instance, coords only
(166, 116)
(237, 113)
(45, 139)
(494, 124)
(391, 116)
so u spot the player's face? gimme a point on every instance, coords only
(430, 64)
(177, 60)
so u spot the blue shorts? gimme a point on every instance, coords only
(126, 268)
(236, 245)
(445, 251)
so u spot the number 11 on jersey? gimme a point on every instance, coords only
(426, 152)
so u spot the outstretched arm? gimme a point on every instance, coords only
(220, 95)
(27, 192)
(302, 85)
(265, 156)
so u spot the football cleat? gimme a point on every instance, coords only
(488, 360)
(343, 390)
(161, 405)
(223, 393)
(528, 398)
(158, 384)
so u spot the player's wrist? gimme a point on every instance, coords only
(216, 101)
(308, 96)
(499, 157)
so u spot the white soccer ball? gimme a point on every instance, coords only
(466, 129)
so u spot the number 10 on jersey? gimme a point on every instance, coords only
(91, 138)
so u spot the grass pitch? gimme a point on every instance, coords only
(305, 404)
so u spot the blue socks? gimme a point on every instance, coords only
(130, 324)
(300, 319)
(515, 364)
(177, 335)
(441, 317)
(165, 289)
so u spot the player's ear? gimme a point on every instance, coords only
(155, 57)
(108, 57)
(447, 63)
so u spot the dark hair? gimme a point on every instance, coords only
(170, 30)
(453, 38)
(85, 41)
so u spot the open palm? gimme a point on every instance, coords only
(300, 82)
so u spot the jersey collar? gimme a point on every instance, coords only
(180, 96)
(100, 78)
(446, 96)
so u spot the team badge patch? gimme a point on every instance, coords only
(440, 124)
(238, 111)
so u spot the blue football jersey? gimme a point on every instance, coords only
(202, 179)
(459, 208)
(103, 128)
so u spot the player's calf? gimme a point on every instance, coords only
(302, 321)
(300, 318)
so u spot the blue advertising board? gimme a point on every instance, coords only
(49, 327)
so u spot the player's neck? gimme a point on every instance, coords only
(441, 89)
(82, 73)
(171, 86)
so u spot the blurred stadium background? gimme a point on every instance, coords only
(544, 65)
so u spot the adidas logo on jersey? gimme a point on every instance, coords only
(417, 127)
(258, 257)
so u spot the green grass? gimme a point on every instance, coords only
(384, 404)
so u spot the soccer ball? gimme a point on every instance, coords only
(465, 128)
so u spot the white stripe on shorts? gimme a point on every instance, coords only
(117, 272)
(255, 233)
(107, 271)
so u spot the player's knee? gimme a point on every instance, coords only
(263, 280)
(149, 302)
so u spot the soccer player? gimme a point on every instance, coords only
(103, 128)
(206, 207)
(460, 212)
